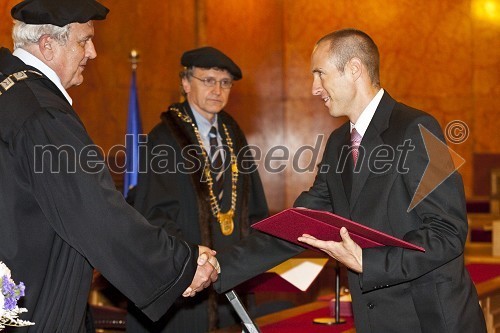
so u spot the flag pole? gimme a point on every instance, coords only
(134, 130)
(134, 58)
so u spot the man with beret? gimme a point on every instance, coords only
(60, 215)
(202, 182)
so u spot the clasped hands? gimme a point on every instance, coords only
(346, 251)
(207, 272)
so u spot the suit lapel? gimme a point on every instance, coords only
(371, 140)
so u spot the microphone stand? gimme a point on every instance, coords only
(337, 319)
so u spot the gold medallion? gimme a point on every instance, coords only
(226, 222)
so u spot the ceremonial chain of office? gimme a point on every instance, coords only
(225, 219)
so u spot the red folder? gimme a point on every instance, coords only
(294, 222)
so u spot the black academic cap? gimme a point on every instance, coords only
(58, 12)
(209, 57)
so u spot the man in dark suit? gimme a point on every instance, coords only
(393, 289)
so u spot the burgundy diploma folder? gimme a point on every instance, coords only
(293, 222)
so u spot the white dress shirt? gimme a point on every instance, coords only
(366, 116)
(33, 61)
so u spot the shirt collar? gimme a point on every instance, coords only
(204, 125)
(366, 116)
(33, 61)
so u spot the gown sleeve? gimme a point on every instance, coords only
(71, 183)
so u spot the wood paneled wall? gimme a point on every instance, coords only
(442, 57)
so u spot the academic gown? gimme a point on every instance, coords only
(60, 218)
(173, 194)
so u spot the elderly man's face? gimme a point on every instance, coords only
(70, 59)
(207, 100)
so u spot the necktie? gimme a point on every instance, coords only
(355, 141)
(217, 165)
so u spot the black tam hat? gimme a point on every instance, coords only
(58, 12)
(209, 57)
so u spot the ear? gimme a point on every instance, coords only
(355, 68)
(45, 46)
(186, 85)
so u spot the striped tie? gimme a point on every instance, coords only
(355, 141)
(217, 165)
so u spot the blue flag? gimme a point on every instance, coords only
(134, 130)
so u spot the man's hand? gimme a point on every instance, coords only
(347, 251)
(207, 254)
(206, 273)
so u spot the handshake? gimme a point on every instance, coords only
(207, 272)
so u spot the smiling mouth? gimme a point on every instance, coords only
(326, 99)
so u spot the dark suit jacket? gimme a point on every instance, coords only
(401, 290)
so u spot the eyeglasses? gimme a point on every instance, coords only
(211, 82)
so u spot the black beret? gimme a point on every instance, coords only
(209, 57)
(58, 12)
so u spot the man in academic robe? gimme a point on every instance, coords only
(61, 215)
(184, 193)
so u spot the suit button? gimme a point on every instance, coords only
(370, 305)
